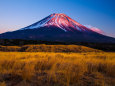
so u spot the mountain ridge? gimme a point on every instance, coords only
(58, 27)
(59, 20)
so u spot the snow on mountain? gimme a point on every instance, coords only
(59, 20)
(61, 28)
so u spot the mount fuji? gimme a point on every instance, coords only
(58, 27)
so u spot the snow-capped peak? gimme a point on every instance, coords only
(59, 20)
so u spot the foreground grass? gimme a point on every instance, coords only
(57, 69)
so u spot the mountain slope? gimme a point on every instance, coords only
(61, 21)
(58, 27)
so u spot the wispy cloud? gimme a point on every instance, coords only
(1, 31)
(95, 29)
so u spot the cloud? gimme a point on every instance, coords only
(94, 29)
(1, 31)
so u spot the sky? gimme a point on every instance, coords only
(16, 14)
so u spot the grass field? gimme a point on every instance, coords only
(57, 69)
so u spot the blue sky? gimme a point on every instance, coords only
(16, 14)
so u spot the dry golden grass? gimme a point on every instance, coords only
(57, 69)
(2, 84)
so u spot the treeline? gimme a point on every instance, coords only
(108, 47)
(18, 42)
(47, 48)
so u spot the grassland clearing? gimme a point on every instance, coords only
(57, 69)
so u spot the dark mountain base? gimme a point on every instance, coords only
(56, 34)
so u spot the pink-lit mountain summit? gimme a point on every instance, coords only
(60, 20)
(58, 27)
